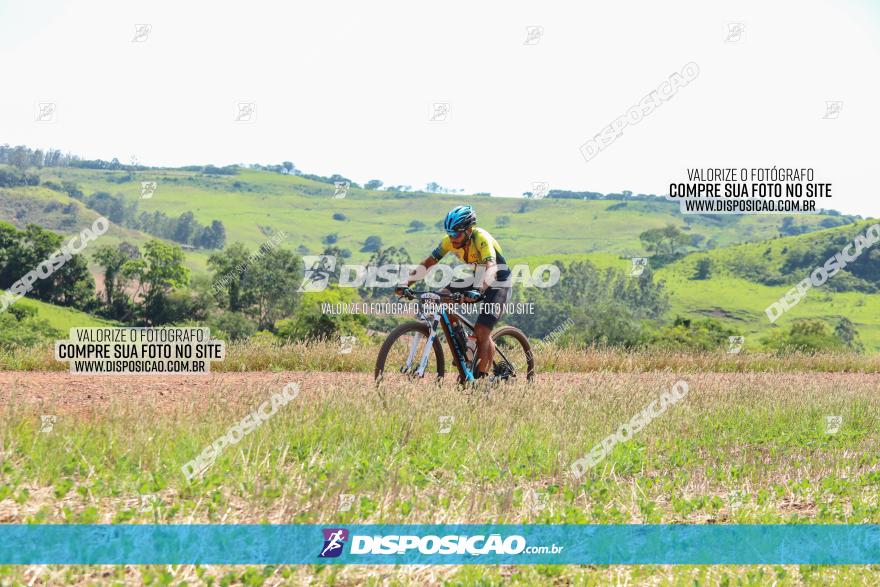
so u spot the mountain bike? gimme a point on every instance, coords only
(406, 353)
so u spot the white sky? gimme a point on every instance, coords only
(348, 87)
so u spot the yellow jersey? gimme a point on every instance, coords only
(479, 249)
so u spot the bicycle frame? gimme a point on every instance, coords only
(433, 319)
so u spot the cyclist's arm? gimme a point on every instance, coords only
(429, 262)
(491, 269)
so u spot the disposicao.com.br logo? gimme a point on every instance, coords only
(452, 544)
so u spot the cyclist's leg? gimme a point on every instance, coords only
(490, 313)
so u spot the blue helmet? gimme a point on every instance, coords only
(458, 219)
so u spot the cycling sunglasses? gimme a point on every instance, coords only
(455, 233)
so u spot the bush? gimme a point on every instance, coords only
(311, 322)
(25, 331)
(340, 216)
(692, 335)
(232, 326)
(809, 336)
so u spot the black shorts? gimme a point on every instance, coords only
(492, 306)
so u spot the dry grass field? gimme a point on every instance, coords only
(751, 442)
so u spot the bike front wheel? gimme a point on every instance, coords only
(401, 355)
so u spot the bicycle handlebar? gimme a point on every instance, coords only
(455, 297)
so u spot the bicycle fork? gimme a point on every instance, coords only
(429, 346)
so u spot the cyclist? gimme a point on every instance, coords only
(475, 246)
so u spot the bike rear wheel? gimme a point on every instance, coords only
(513, 355)
(399, 357)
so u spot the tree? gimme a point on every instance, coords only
(186, 225)
(113, 260)
(22, 251)
(703, 268)
(210, 237)
(228, 267)
(397, 256)
(848, 335)
(416, 225)
(664, 242)
(373, 184)
(372, 244)
(72, 190)
(37, 158)
(269, 285)
(789, 228)
(605, 306)
(159, 272)
(288, 166)
(19, 157)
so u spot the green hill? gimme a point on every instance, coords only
(253, 201)
(752, 265)
(735, 295)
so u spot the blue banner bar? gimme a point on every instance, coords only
(439, 544)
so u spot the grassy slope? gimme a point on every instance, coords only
(744, 301)
(63, 318)
(303, 209)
